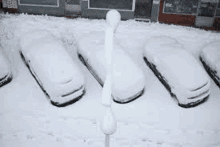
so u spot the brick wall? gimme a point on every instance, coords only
(186, 20)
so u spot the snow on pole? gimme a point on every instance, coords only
(113, 18)
(109, 124)
(106, 93)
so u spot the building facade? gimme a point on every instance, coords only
(198, 13)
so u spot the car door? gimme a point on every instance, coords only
(72, 8)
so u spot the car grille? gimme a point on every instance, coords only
(200, 87)
(204, 93)
(72, 92)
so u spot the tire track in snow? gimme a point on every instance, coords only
(147, 132)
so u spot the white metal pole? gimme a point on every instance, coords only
(108, 124)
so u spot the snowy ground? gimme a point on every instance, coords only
(28, 119)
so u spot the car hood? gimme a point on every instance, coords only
(186, 70)
(52, 62)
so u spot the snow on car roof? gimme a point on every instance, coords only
(158, 44)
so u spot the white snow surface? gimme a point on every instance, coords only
(28, 119)
(211, 54)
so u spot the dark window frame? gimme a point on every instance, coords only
(132, 2)
(178, 3)
(217, 13)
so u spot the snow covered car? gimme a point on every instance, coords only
(210, 57)
(178, 70)
(128, 82)
(5, 70)
(52, 67)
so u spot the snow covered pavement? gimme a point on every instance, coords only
(28, 119)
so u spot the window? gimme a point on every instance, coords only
(207, 9)
(73, 2)
(181, 6)
(218, 10)
(39, 2)
(111, 4)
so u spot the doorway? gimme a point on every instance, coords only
(206, 13)
(143, 9)
(72, 8)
